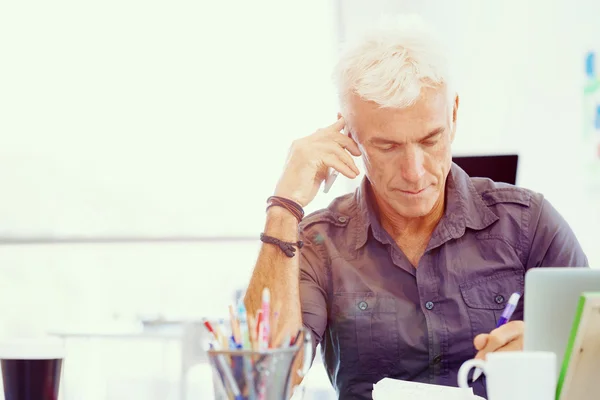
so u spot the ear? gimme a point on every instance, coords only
(454, 117)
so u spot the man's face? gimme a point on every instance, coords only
(406, 152)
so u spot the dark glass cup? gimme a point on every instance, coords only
(31, 370)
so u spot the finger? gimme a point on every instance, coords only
(503, 335)
(515, 345)
(282, 335)
(506, 333)
(348, 143)
(333, 161)
(337, 125)
(344, 156)
(480, 341)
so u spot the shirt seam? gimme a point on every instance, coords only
(530, 235)
(516, 246)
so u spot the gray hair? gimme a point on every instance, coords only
(392, 63)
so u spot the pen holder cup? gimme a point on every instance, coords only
(257, 375)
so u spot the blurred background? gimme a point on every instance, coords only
(139, 141)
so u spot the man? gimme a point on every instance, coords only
(406, 277)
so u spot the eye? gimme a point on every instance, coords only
(432, 141)
(385, 147)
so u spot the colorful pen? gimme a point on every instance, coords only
(210, 329)
(265, 329)
(235, 327)
(221, 332)
(243, 319)
(252, 332)
(504, 318)
(509, 309)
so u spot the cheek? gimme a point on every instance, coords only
(439, 160)
(373, 163)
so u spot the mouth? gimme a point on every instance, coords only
(413, 193)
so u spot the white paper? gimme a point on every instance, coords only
(392, 389)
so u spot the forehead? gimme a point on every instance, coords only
(367, 119)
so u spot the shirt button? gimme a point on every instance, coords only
(363, 305)
(499, 299)
(437, 359)
(342, 219)
(429, 305)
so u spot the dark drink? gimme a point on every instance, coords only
(31, 371)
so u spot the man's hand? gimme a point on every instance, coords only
(308, 161)
(509, 337)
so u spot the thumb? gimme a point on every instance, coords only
(480, 341)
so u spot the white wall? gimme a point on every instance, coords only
(147, 119)
(132, 118)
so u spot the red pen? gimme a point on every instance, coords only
(210, 329)
(295, 340)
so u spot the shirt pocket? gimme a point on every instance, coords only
(366, 328)
(487, 297)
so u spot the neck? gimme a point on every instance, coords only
(399, 227)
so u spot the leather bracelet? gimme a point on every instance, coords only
(286, 247)
(290, 205)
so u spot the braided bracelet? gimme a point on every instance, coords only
(286, 247)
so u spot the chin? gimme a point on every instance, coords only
(414, 209)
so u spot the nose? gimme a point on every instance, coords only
(412, 168)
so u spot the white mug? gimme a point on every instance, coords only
(515, 375)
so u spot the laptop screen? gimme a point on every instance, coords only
(499, 168)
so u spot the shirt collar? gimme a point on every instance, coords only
(464, 209)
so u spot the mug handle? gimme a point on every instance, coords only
(463, 372)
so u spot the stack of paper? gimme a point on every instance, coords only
(392, 389)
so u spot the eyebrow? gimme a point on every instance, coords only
(430, 135)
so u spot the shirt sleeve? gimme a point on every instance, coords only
(313, 296)
(554, 243)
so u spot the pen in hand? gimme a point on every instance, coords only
(504, 318)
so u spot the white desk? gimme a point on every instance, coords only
(188, 336)
(316, 384)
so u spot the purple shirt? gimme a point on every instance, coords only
(377, 316)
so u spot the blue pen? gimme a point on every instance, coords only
(232, 344)
(504, 318)
(509, 309)
(242, 317)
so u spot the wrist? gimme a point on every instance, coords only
(281, 215)
(293, 207)
(281, 224)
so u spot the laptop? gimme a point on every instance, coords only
(551, 298)
(499, 168)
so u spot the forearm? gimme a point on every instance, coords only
(306, 167)
(279, 273)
